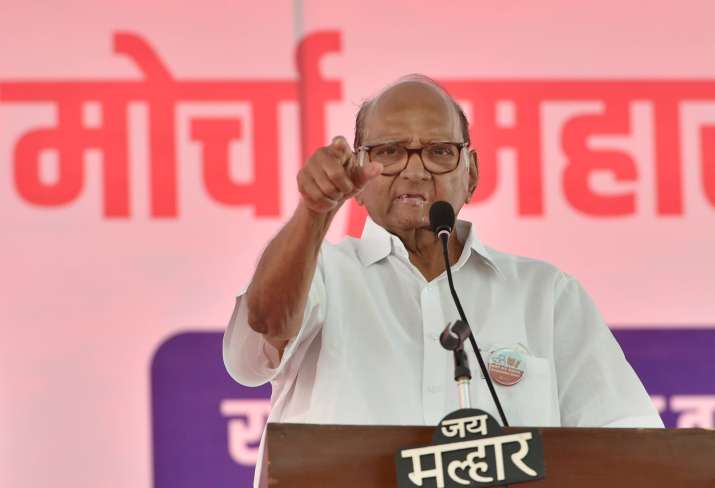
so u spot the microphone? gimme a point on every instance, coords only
(441, 217)
(454, 335)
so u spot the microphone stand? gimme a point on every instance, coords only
(462, 376)
(454, 341)
(463, 384)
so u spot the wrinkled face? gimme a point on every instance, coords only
(414, 113)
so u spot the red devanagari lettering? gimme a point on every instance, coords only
(313, 91)
(488, 137)
(69, 138)
(707, 154)
(583, 161)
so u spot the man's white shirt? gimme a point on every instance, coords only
(368, 350)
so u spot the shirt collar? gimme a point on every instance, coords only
(376, 243)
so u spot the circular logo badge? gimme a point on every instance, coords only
(506, 366)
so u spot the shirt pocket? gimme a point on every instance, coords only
(529, 402)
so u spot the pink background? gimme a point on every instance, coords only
(85, 300)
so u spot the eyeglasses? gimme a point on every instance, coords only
(437, 157)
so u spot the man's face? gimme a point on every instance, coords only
(414, 113)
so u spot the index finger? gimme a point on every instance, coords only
(341, 144)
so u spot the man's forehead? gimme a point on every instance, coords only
(409, 104)
(411, 94)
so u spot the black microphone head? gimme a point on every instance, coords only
(454, 335)
(441, 217)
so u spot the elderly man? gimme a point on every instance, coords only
(348, 333)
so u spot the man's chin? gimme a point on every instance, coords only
(411, 220)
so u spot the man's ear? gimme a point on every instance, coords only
(473, 173)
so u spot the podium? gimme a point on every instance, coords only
(311, 455)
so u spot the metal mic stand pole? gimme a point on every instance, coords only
(452, 339)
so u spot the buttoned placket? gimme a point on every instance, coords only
(436, 360)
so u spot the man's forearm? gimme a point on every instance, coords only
(279, 289)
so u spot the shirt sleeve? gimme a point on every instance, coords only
(597, 386)
(250, 359)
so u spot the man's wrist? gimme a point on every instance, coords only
(316, 223)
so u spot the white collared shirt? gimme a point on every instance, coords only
(368, 350)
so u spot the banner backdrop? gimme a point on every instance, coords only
(148, 152)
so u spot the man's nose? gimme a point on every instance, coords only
(415, 168)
